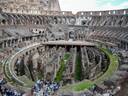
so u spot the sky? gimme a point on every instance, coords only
(89, 5)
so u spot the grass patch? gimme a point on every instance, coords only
(59, 74)
(66, 56)
(78, 69)
(83, 85)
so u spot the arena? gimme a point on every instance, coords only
(48, 52)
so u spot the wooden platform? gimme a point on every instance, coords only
(69, 43)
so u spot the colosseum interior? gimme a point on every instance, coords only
(48, 52)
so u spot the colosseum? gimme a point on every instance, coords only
(48, 52)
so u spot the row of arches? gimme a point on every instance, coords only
(20, 19)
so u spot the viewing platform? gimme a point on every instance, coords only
(69, 43)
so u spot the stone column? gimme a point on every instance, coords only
(126, 46)
(0, 45)
(3, 45)
(10, 43)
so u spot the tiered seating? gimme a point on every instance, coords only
(112, 21)
(111, 34)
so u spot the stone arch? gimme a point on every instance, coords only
(55, 20)
(4, 21)
(72, 20)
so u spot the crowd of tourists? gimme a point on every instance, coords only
(5, 90)
(40, 88)
(45, 88)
